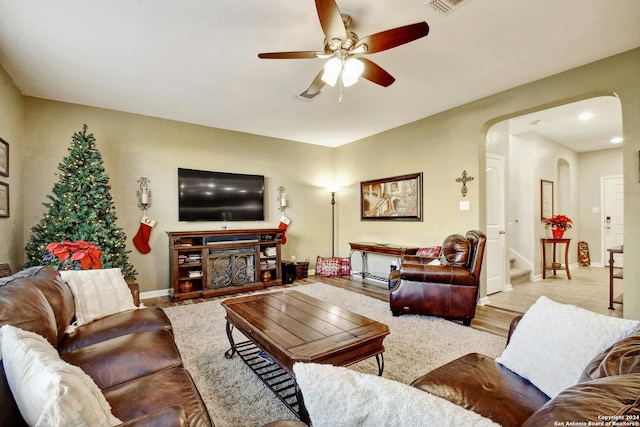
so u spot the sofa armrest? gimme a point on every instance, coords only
(415, 259)
(135, 290)
(171, 416)
(447, 274)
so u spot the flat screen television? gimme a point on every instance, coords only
(219, 196)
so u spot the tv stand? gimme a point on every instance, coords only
(219, 262)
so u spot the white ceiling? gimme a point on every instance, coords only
(564, 125)
(196, 60)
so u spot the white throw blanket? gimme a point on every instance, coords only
(341, 397)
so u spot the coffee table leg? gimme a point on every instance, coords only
(380, 361)
(303, 414)
(229, 353)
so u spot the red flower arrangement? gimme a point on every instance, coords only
(559, 222)
(78, 255)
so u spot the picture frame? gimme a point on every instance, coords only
(546, 199)
(4, 200)
(4, 157)
(397, 198)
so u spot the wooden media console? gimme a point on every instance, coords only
(218, 262)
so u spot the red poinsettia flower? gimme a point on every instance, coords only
(561, 222)
(73, 255)
(58, 250)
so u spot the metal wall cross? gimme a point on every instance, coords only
(464, 179)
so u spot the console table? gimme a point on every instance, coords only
(613, 274)
(364, 248)
(554, 265)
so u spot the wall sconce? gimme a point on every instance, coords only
(282, 199)
(144, 194)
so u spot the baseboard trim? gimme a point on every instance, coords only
(154, 294)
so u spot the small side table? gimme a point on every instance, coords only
(613, 274)
(555, 266)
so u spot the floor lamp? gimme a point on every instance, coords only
(333, 222)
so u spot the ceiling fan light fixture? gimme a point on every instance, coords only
(351, 71)
(332, 71)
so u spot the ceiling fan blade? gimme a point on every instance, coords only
(394, 37)
(331, 20)
(316, 85)
(290, 55)
(374, 73)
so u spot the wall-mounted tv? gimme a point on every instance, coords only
(219, 196)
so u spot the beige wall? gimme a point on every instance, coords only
(133, 146)
(441, 146)
(593, 166)
(12, 131)
(444, 145)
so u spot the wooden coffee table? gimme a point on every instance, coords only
(287, 327)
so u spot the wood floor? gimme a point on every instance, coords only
(589, 288)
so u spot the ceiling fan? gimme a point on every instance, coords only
(343, 49)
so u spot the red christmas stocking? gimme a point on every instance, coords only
(141, 240)
(284, 224)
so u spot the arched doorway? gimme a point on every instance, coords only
(549, 144)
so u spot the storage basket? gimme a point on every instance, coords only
(302, 270)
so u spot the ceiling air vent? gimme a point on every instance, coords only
(446, 6)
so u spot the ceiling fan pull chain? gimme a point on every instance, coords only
(340, 87)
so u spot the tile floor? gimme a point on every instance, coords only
(588, 288)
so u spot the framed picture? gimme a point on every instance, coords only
(4, 157)
(546, 199)
(4, 200)
(396, 198)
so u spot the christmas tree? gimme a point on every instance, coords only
(81, 208)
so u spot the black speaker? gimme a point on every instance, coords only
(288, 272)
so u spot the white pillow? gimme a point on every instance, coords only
(47, 390)
(337, 396)
(554, 342)
(98, 293)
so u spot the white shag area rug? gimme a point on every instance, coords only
(235, 397)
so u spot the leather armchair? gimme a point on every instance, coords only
(449, 291)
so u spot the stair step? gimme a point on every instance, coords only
(519, 275)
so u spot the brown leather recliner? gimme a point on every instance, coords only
(449, 291)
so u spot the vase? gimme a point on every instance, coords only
(266, 276)
(186, 286)
(557, 233)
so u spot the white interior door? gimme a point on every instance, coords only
(495, 253)
(612, 216)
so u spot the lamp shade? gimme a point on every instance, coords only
(352, 70)
(331, 71)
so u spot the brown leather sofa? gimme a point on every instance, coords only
(131, 356)
(449, 291)
(608, 390)
(609, 387)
